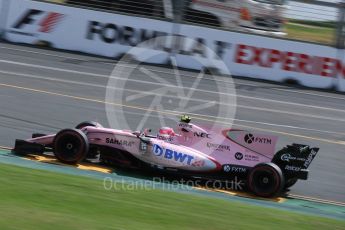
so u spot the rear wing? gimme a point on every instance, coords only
(295, 159)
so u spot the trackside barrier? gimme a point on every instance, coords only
(112, 35)
(268, 58)
(94, 32)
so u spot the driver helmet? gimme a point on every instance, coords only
(185, 119)
(165, 133)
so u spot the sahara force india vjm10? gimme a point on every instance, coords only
(190, 150)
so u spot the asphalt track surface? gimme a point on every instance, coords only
(45, 91)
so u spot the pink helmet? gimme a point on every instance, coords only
(165, 133)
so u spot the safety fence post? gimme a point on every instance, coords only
(340, 29)
(178, 12)
(4, 9)
(340, 42)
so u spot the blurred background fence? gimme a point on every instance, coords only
(318, 21)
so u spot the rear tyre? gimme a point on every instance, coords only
(70, 146)
(87, 123)
(266, 180)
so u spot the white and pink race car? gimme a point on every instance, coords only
(190, 150)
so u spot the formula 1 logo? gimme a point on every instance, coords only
(47, 21)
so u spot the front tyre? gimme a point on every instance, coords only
(70, 146)
(266, 180)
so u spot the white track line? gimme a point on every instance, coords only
(289, 89)
(6, 148)
(318, 200)
(170, 112)
(198, 100)
(159, 84)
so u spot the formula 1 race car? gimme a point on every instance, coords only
(217, 153)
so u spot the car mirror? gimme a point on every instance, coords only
(146, 131)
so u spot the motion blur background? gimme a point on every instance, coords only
(313, 21)
(238, 28)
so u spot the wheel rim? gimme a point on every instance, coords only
(264, 182)
(69, 147)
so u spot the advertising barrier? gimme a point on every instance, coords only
(268, 58)
(112, 35)
(82, 30)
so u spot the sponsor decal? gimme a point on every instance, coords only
(218, 147)
(143, 146)
(46, 21)
(288, 157)
(172, 155)
(292, 168)
(226, 168)
(119, 142)
(248, 157)
(250, 138)
(111, 33)
(239, 156)
(185, 125)
(234, 169)
(202, 135)
(288, 61)
(165, 138)
(310, 158)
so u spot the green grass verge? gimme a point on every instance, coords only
(329, 24)
(34, 199)
(324, 35)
